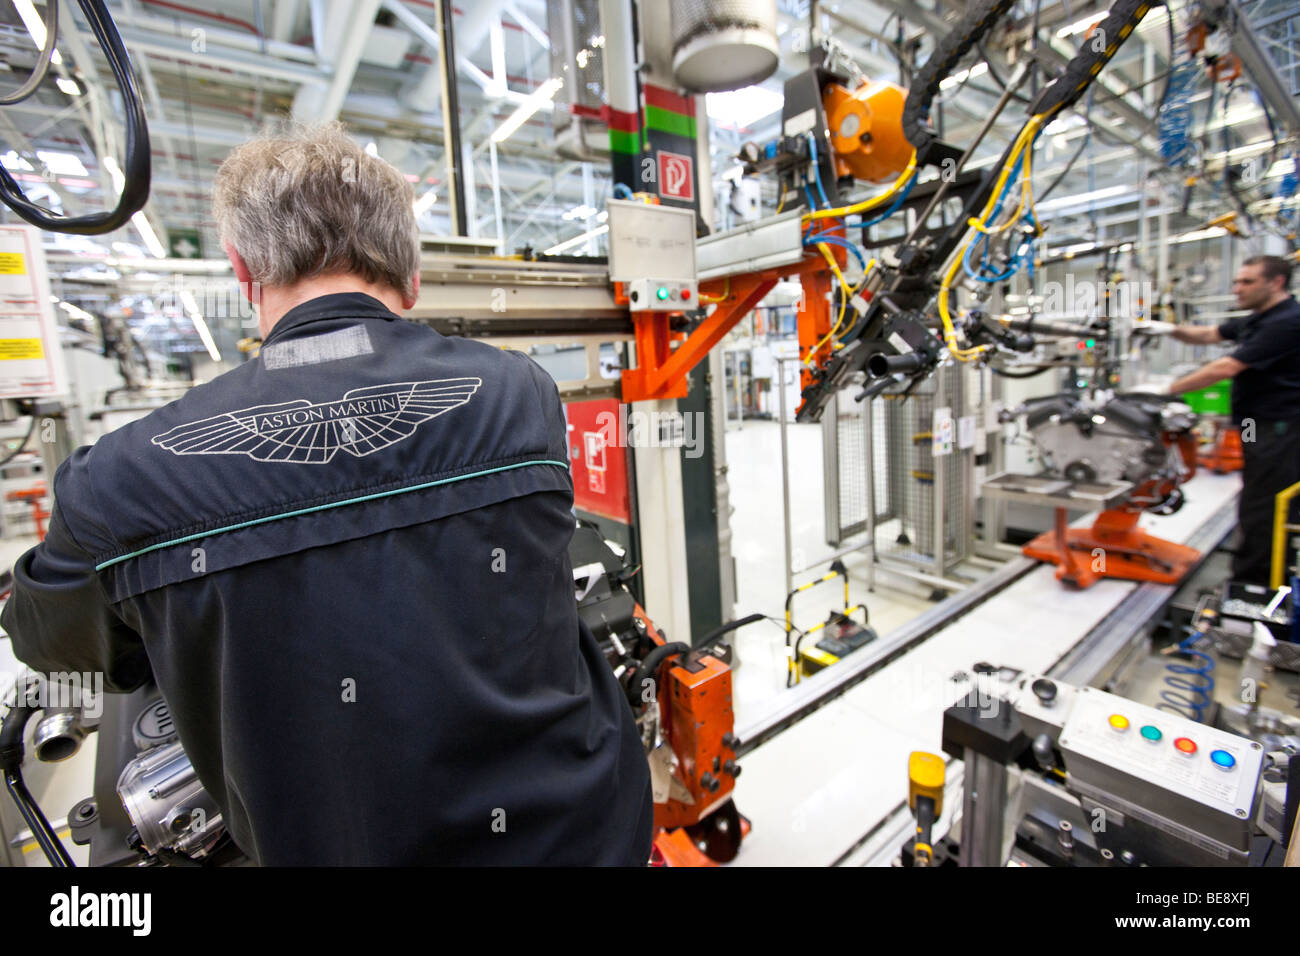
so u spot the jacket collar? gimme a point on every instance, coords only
(336, 305)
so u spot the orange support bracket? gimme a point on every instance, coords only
(1114, 547)
(661, 371)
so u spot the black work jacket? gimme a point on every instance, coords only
(345, 563)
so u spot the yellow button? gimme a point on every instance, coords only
(1119, 721)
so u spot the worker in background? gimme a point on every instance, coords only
(1265, 372)
(345, 562)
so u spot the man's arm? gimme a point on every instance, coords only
(59, 617)
(1197, 334)
(1208, 374)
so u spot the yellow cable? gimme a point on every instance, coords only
(980, 223)
(715, 299)
(848, 294)
(874, 201)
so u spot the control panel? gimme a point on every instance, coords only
(1162, 764)
(661, 295)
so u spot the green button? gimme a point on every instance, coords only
(1151, 733)
(662, 293)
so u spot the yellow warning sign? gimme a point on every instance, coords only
(12, 264)
(21, 348)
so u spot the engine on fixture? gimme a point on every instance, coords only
(1144, 439)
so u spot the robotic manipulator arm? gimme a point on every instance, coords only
(904, 327)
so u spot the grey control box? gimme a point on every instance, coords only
(1191, 780)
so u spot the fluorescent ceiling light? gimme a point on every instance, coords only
(75, 312)
(425, 203)
(62, 164)
(12, 161)
(575, 241)
(960, 77)
(579, 212)
(1108, 192)
(205, 334)
(743, 107)
(1210, 233)
(67, 86)
(524, 111)
(35, 26)
(139, 220)
(1080, 26)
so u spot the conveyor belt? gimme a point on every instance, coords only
(825, 773)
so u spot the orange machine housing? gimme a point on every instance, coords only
(695, 702)
(866, 127)
(697, 721)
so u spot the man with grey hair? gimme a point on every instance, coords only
(345, 562)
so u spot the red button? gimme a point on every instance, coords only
(1185, 745)
(686, 293)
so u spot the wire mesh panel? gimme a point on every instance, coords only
(844, 454)
(913, 492)
(922, 492)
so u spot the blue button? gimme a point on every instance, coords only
(1223, 759)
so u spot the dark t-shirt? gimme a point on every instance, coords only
(1268, 343)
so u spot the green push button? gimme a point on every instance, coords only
(1151, 733)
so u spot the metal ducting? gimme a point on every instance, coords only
(724, 44)
(578, 46)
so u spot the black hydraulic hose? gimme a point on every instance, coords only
(43, 60)
(1121, 20)
(44, 834)
(11, 761)
(950, 51)
(732, 626)
(136, 163)
(1030, 373)
(650, 666)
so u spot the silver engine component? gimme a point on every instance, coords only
(1116, 440)
(59, 735)
(167, 804)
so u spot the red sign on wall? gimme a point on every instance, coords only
(598, 459)
(676, 176)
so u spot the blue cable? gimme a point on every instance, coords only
(1023, 252)
(893, 207)
(817, 173)
(838, 241)
(1191, 688)
(620, 189)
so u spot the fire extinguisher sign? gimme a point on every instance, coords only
(676, 176)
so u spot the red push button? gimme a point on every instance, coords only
(1185, 745)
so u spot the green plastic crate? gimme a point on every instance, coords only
(1214, 399)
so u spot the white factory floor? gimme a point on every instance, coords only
(754, 470)
(812, 791)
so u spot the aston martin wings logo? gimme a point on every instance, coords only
(363, 421)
